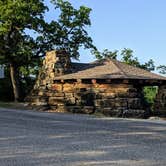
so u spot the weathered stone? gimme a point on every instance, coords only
(67, 88)
(57, 87)
(160, 102)
(106, 95)
(104, 103)
(111, 97)
(58, 94)
(120, 102)
(88, 109)
(69, 95)
(74, 109)
(70, 101)
(134, 103)
(135, 113)
(56, 101)
(61, 108)
(112, 112)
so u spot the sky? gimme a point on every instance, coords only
(136, 24)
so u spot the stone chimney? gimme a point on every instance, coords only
(56, 63)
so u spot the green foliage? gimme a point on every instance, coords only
(24, 52)
(162, 69)
(150, 93)
(127, 57)
(105, 54)
(67, 32)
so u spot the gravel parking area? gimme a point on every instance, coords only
(29, 138)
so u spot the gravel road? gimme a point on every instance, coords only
(29, 138)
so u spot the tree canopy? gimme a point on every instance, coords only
(20, 50)
(162, 69)
(126, 56)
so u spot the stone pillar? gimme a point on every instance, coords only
(160, 102)
(56, 63)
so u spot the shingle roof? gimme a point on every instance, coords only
(108, 69)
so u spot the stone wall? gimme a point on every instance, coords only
(120, 100)
(160, 102)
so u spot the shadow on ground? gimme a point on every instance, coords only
(46, 139)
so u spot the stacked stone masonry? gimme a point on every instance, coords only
(119, 99)
(55, 63)
(110, 99)
(160, 102)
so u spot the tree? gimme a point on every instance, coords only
(105, 54)
(162, 69)
(21, 51)
(126, 57)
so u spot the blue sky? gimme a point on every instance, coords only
(136, 24)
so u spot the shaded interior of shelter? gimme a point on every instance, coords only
(107, 86)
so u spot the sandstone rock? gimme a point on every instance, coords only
(120, 99)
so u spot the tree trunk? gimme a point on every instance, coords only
(15, 82)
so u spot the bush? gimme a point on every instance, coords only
(150, 93)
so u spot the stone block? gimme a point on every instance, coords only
(75, 109)
(56, 101)
(61, 108)
(122, 94)
(120, 102)
(134, 103)
(82, 85)
(104, 103)
(132, 95)
(43, 98)
(41, 93)
(70, 101)
(68, 88)
(112, 112)
(137, 113)
(58, 94)
(131, 90)
(69, 95)
(49, 94)
(105, 95)
(57, 87)
(159, 112)
(80, 109)
(88, 109)
(52, 75)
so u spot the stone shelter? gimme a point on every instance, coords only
(108, 86)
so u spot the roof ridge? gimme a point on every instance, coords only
(121, 70)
